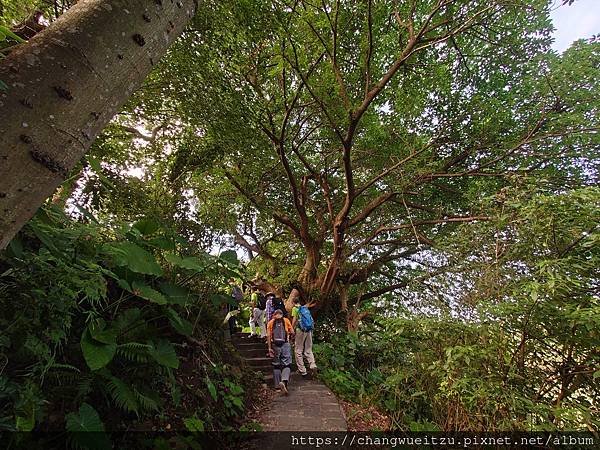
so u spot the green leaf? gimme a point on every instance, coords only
(219, 299)
(96, 354)
(193, 424)
(41, 232)
(26, 423)
(146, 292)
(162, 243)
(127, 318)
(95, 165)
(87, 429)
(177, 294)
(238, 403)
(99, 332)
(147, 226)
(87, 214)
(87, 419)
(134, 258)
(180, 325)
(230, 257)
(163, 353)
(16, 247)
(211, 389)
(9, 34)
(123, 284)
(122, 394)
(189, 262)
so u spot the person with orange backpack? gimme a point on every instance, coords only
(279, 331)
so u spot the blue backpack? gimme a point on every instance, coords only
(305, 319)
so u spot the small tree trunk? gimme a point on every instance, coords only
(335, 264)
(343, 297)
(353, 320)
(65, 85)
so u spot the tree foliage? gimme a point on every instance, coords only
(424, 171)
(514, 343)
(348, 138)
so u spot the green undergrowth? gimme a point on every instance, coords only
(115, 328)
(514, 350)
(433, 374)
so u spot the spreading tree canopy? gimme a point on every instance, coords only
(346, 138)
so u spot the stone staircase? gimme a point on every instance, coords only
(255, 352)
(310, 405)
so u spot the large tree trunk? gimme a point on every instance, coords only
(65, 85)
(308, 275)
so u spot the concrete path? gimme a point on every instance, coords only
(310, 406)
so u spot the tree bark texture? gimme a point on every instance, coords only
(66, 84)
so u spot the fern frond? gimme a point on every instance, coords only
(122, 395)
(134, 351)
(137, 345)
(84, 387)
(146, 402)
(64, 367)
(60, 378)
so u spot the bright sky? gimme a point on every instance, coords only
(580, 20)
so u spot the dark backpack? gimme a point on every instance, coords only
(261, 302)
(279, 333)
(278, 304)
(237, 294)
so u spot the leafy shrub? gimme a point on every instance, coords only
(519, 348)
(97, 319)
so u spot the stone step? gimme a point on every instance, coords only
(267, 369)
(246, 345)
(258, 362)
(253, 352)
(245, 337)
(264, 369)
(245, 342)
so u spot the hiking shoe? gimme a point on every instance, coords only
(314, 371)
(283, 388)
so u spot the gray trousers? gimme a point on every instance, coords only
(303, 348)
(281, 363)
(258, 320)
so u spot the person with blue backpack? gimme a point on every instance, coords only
(303, 324)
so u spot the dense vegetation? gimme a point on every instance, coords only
(514, 348)
(102, 319)
(425, 171)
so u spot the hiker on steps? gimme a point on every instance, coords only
(279, 330)
(279, 304)
(303, 325)
(237, 296)
(269, 310)
(257, 319)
